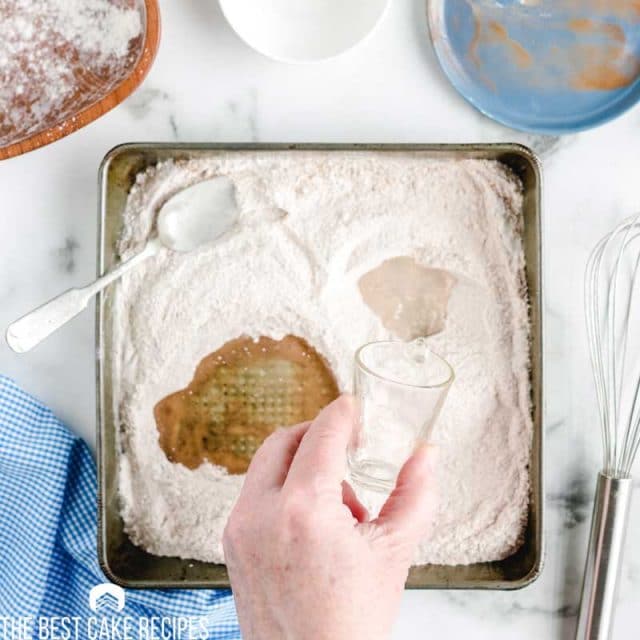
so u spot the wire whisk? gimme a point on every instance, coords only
(612, 308)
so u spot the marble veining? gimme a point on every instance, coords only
(575, 501)
(544, 145)
(207, 85)
(142, 101)
(174, 126)
(66, 254)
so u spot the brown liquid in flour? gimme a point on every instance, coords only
(238, 396)
(410, 299)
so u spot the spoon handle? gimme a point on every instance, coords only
(35, 326)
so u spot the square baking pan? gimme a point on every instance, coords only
(129, 566)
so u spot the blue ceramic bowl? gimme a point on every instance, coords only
(545, 66)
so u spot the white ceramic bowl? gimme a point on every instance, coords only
(303, 30)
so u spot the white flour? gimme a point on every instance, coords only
(54, 52)
(314, 223)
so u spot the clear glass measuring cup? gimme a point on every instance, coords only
(400, 388)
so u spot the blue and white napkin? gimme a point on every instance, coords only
(48, 558)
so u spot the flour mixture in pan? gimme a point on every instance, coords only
(216, 348)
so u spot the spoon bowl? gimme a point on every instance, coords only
(198, 215)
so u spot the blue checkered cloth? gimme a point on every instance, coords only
(48, 558)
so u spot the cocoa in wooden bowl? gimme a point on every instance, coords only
(64, 64)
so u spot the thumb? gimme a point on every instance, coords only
(409, 509)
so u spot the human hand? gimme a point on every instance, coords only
(305, 561)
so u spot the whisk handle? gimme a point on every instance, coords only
(604, 556)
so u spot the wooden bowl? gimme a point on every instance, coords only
(91, 107)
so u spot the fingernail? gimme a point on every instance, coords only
(430, 453)
(348, 398)
(433, 452)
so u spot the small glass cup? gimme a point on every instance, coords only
(400, 388)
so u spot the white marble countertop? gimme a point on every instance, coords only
(207, 85)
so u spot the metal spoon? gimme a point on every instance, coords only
(194, 216)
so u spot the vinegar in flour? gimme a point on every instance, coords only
(410, 299)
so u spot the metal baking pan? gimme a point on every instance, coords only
(130, 566)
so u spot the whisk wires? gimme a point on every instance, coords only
(612, 310)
